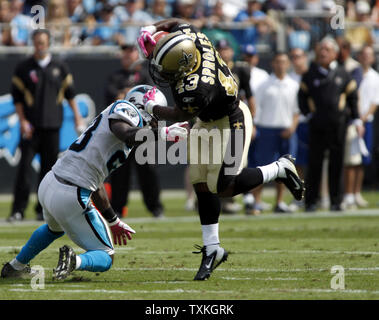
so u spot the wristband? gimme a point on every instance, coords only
(151, 29)
(150, 106)
(111, 224)
(109, 215)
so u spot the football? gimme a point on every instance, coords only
(156, 36)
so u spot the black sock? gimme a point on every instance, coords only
(248, 179)
(209, 207)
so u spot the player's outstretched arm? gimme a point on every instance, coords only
(173, 114)
(146, 33)
(168, 24)
(127, 133)
(120, 230)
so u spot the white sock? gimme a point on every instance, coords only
(270, 172)
(210, 237)
(248, 199)
(78, 262)
(17, 265)
(349, 198)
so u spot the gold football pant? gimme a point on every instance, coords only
(217, 150)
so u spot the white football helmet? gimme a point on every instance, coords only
(136, 96)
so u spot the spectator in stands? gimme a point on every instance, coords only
(132, 73)
(375, 12)
(299, 62)
(310, 5)
(275, 5)
(107, 32)
(328, 95)
(20, 24)
(368, 103)
(28, 4)
(190, 11)
(78, 16)
(131, 12)
(89, 6)
(76, 11)
(254, 17)
(276, 120)
(5, 17)
(39, 85)
(158, 10)
(217, 14)
(58, 23)
(257, 75)
(360, 34)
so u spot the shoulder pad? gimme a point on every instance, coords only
(124, 110)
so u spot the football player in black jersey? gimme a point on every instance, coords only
(203, 86)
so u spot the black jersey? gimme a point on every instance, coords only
(210, 90)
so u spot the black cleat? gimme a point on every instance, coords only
(9, 272)
(66, 263)
(209, 262)
(289, 176)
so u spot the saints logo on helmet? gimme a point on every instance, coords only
(174, 57)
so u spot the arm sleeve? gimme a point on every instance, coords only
(17, 86)
(302, 97)
(352, 98)
(68, 83)
(245, 83)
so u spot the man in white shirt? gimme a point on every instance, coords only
(257, 77)
(368, 103)
(276, 121)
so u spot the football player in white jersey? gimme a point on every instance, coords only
(72, 194)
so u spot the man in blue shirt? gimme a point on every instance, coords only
(253, 15)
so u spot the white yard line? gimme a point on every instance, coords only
(264, 251)
(179, 290)
(126, 291)
(237, 217)
(245, 269)
(263, 279)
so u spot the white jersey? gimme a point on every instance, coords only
(368, 92)
(97, 152)
(276, 102)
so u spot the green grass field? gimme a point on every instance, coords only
(271, 257)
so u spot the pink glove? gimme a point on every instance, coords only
(149, 100)
(120, 231)
(176, 132)
(146, 34)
